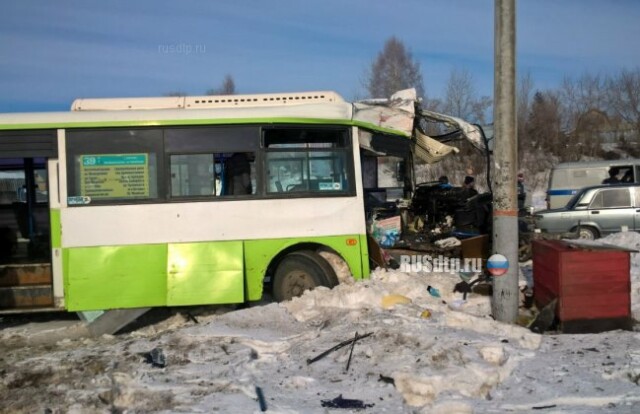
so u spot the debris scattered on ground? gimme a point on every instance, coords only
(340, 402)
(386, 380)
(545, 318)
(426, 314)
(191, 317)
(389, 301)
(261, 400)
(433, 291)
(156, 358)
(353, 344)
(544, 407)
(448, 242)
(462, 287)
(335, 348)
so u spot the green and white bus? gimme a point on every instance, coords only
(173, 201)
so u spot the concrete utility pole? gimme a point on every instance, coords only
(505, 152)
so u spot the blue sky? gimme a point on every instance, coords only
(53, 52)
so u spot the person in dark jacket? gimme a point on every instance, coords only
(522, 193)
(443, 182)
(469, 186)
(613, 176)
(238, 175)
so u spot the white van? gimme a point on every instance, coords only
(567, 178)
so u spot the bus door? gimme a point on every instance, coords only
(25, 225)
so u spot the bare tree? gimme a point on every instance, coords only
(525, 92)
(394, 69)
(461, 99)
(175, 93)
(544, 127)
(586, 120)
(228, 87)
(581, 96)
(458, 99)
(624, 98)
(587, 137)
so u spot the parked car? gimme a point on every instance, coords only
(595, 211)
(567, 179)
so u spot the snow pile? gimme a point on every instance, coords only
(428, 352)
(448, 366)
(440, 359)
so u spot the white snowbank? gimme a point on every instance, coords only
(453, 358)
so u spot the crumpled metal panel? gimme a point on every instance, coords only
(395, 114)
(430, 150)
(470, 132)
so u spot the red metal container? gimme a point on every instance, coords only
(592, 284)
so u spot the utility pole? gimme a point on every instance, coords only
(505, 152)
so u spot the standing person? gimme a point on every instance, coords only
(443, 182)
(522, 193)
(613, 176)
(238, 175)
(469, 186)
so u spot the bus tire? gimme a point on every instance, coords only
(300, 271)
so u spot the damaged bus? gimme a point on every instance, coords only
(135, 203)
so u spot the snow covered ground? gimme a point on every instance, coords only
(452, 359)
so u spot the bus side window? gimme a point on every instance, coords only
(226, 156)
(307, 160)
(194, 175)
(238, 174)
(115, 165)
(210, 175)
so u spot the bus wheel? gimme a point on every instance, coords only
(300, 271)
